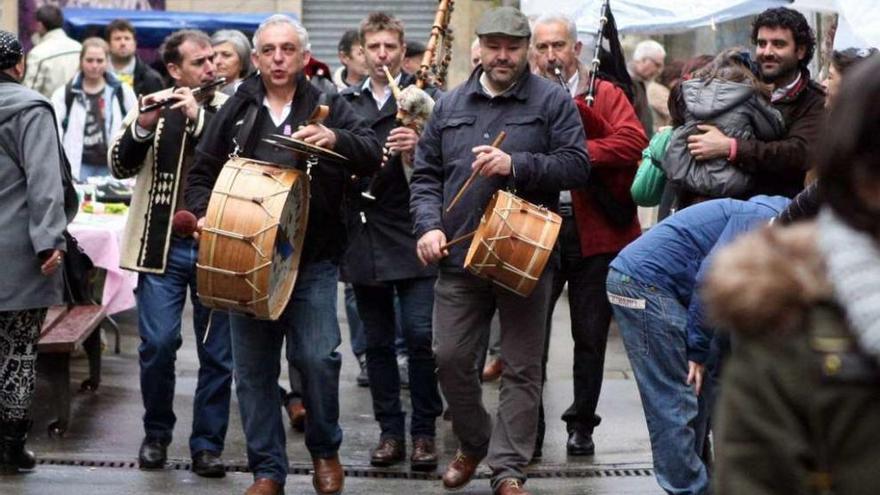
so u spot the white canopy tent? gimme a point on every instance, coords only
(670, 16)
(652, 16)
(858, 24)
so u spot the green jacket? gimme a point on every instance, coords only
(647, 187)
(799, 409)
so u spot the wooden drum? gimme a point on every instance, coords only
(513, 243)
(252, 239)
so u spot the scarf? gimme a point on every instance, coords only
(852, 259)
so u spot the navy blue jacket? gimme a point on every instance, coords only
(545, 139)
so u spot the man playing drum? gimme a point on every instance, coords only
(157, 146)
(278, 100)
(543, 154)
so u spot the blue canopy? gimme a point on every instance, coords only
(153, 26)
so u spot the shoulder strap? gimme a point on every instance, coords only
(120, 99)
(68, 102)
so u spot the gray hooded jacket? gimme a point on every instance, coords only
(738, 111)
(32, 216)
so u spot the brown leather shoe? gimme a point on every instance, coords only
(389, 451)
(328, 478)
(265, 486)
(460, 471)
(492, 370)
(424, 454)
(296, 412)
(511, 486)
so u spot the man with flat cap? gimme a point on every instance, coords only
(543, 154)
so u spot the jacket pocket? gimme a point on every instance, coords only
(526, 132)
(457, 135)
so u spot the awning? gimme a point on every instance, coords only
(153, 26)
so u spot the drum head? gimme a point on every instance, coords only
(288, 246)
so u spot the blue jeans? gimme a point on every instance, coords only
(652, 325)
(309, 323)
(377, 310)
(160, 300)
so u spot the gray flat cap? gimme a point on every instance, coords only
(506, 21)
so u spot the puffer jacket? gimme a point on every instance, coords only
(738, 111)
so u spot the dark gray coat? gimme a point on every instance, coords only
(32, 216)
(738, 111)
(545, 139)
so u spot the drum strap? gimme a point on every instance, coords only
(245, 139)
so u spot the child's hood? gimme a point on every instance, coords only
(706, 101)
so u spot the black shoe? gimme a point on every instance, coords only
(13, 456)
(208, 464)
(153, 454)
(363, 379)
(580, 443)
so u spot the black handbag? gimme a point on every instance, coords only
(78, 272)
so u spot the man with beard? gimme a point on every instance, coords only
(784, 47)
(543, 154)
(590, 238)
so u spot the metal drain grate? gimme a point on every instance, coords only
(551, 471)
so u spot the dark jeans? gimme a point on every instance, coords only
(358, 347)
(309, 323)
(377, 311)
(590, 318)
(160, 300)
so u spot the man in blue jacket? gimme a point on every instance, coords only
(651, 286)
(543, 154)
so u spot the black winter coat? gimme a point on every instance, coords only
(381, 246)
(325, 233)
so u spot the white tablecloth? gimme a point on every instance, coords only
(100, 236)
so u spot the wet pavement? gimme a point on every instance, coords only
(98, 454)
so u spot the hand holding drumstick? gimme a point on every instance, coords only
(490, 161)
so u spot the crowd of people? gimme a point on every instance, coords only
(764, 260)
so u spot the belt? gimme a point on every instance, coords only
(566, 210)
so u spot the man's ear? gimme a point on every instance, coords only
(173, 71)
(578, 47)
(801, 52)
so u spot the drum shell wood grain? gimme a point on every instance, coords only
(513, 243)
(252, 200)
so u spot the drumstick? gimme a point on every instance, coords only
(457, 240)
(496, 143)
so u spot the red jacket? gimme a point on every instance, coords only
(615, 140)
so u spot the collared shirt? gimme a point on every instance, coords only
(780, 93)
(380, 99)
(573, 82)
(484, 83)
(276, 119)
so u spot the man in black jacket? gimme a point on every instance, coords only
(381, 259)
(127, 66)
(543, 154)
(277, 101)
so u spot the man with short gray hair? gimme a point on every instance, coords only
(647, 62)
(281, 101)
